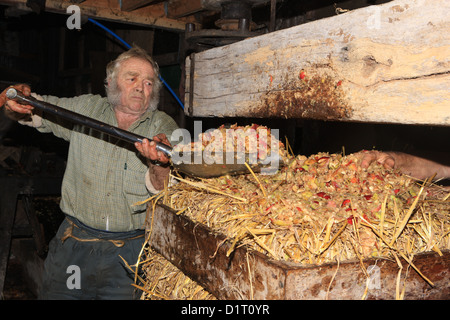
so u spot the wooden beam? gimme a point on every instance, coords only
(167, 59)
(8, 201)
(182, 8)
(130, 5)
(384, 64)
(151, 16)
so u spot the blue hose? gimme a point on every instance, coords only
(129, 47)
(110, 31)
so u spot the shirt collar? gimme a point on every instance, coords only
(147, 115)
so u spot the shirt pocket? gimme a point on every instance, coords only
(135, 189)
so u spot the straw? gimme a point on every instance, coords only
(257, 180)
(406, 218)
(208, 188)
(303, 218)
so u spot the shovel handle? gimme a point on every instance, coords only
(18, 96)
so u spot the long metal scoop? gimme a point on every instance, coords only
(191, 164)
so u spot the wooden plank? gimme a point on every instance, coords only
(385, 64)
(130, 5)
(182, 8)
(217, 4)
(201, 254)
(36, 229)
(10, 188)
(8, 202)
(167, 59)
(151, 16)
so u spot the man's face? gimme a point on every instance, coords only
(135, 82)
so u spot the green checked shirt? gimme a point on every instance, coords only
(104, 176)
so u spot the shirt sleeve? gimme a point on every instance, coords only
(35, 120)
(151, 189)
(163, 123)
(62, 128)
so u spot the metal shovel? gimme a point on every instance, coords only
(192, 164)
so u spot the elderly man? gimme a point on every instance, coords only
(103, 181)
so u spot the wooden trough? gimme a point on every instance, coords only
(201, 254)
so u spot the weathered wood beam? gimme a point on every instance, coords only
(182, 8)
(384, 64)
(167, 59)
(130, 5)
(150, 16)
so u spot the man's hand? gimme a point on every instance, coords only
(149, 151)
(384, 158)
(158, 174)
(14, 106)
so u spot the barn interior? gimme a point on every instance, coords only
(40, 47)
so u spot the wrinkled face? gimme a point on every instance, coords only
(135, 82)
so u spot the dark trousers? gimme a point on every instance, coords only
(85, 263)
